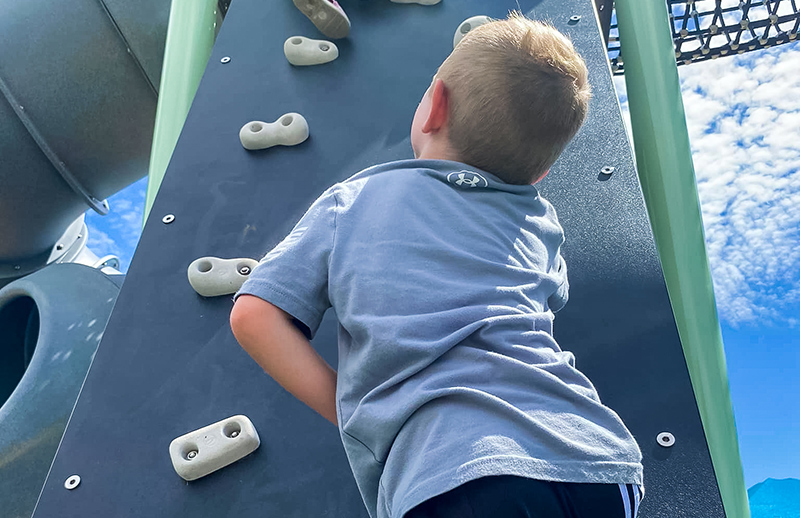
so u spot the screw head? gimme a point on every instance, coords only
(192, 454)
(575, 18)
(234, 434)
(607, 170)
(17, 267)
(224, 60)
(169, 218)
(72, 482)
(244, 270)
(666, 439)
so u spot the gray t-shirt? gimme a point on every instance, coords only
(445, 279)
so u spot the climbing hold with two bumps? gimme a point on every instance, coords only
(289, 130)
(420, 2)
(327, 16)
(302, 51)
(212, 276)
(213, 447)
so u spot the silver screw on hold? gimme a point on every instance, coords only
(72, 482)
(192, 454)
(607, 170)
(224, 60)
(244, 270)
(575, 18)
(666, 439)
(234, 434)
(169, 218)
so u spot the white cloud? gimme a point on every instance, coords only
(743, 116)
(102, 244)
(118, 232)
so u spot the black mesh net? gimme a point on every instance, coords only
(708, 29)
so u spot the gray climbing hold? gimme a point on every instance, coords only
(213, 447)
(421, 2)
(291, 129)
(467, 25)
(212, 276)
(301, 51)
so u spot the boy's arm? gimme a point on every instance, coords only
(268, 335)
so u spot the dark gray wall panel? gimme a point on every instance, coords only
(168, 363)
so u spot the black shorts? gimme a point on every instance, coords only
(517, 497)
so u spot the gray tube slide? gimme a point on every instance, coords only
(78, 92)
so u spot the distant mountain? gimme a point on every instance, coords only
(775, 498)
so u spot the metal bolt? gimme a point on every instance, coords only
(72, 482)
(607, 170)
(224, 60)
(244, 270)
(16, 267)
(169, 218)
(575, 18)
(666, 439)
(192, 454)
(234, 434)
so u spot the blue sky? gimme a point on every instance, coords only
(743, 114)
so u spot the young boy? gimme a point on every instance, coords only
(452, 397)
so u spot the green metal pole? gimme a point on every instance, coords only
(190, 37)
(664, 163)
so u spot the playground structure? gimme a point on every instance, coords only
(207, 172)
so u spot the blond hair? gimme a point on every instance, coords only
(518, 93)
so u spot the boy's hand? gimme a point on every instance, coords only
(268, 335)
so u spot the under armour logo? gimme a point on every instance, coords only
(467, 179)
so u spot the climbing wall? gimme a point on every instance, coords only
(168, 363)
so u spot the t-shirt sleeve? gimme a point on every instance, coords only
(294, 275)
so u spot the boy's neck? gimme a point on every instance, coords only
(434, 150)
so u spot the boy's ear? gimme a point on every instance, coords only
(541, 177)
(440, 108)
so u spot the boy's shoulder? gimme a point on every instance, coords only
(454, 175)
(395, 193)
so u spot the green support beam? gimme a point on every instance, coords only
(190, 37)
(664, 163)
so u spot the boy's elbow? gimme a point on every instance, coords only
(244, 316)
(248, 314)
(238, 319)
